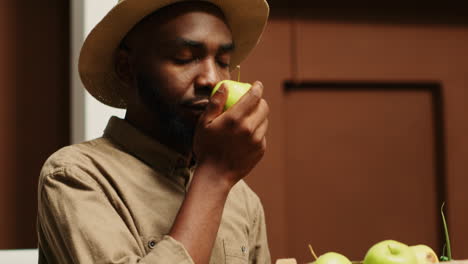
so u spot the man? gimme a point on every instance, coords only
(165, 184)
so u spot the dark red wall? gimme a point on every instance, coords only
(34, 107)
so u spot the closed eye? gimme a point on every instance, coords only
(223, 64)
(224, 59)
(180, 61)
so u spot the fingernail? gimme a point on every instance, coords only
(221, 90)
(256, 91)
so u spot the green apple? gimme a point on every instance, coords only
(425, 254)
(390, 252)
(236, 91)
(332, 258)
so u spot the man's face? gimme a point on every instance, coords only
(179, 56)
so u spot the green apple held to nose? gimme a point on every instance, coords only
(235, 91)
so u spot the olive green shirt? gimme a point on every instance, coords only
(114, 199)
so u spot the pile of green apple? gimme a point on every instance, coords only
(386, 252)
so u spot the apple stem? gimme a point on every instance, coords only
(447, 238)
(238, 73)
(312, 251)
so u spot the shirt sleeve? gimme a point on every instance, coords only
(260, 253)
(77, 223)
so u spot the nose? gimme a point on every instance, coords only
(208, 76)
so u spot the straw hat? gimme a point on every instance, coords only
(246, 18)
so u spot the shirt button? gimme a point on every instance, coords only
(151, 244)
(243, 249)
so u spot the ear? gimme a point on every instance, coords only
(124, 66)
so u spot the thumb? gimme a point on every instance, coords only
(216, 105)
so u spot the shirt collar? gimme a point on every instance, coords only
(148, 150)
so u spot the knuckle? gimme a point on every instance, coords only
(262, 147)
(245, 129)
(231, 122)
(257, 141)
(264, 144)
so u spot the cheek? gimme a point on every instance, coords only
(178, 81)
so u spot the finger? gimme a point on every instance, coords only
(216, 105)
(264, 144)
(249, 100)
(261, 131)
(259, 115)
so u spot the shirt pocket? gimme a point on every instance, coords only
(236, 252)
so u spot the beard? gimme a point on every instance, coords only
(171, 122)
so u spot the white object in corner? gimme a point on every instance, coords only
(19, 256)
(88, 116)
(286, 261)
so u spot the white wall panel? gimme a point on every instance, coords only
(89, 116)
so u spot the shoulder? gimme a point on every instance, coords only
(78, 159)
(74, 155)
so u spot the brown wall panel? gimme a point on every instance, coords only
(363, 165)
(7, 126)
(43, 108)
(334, 51)
(37, 100)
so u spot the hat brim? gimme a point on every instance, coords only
(246, 19)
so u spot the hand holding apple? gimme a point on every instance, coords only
(229, 144)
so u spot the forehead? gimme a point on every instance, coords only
(200, 21)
